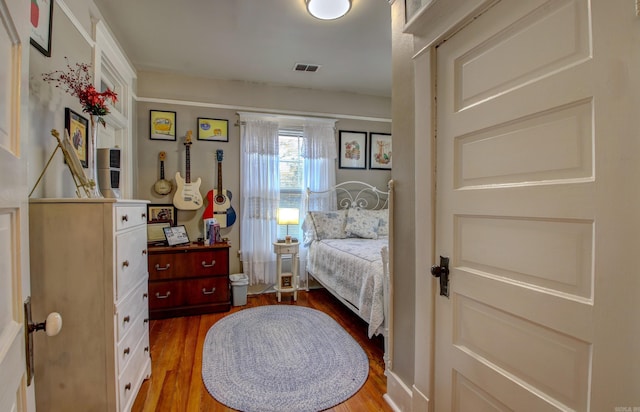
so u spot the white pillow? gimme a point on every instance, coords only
(362, 224)
(329, 225)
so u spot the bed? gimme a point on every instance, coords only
(348, 249)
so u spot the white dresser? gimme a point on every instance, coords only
(89, 262)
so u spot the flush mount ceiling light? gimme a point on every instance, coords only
(328, 9)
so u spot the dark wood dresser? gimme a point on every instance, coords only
(188, 280)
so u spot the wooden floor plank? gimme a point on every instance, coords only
(176, 352)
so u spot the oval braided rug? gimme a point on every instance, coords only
(281, 358)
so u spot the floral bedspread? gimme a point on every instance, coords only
(352, 268)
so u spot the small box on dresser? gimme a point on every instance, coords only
(188, 280)
(89, 262)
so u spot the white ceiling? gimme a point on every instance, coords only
(257, 40)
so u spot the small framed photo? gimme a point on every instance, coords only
(78, 128)
(176, 235)
(215, 130)
(353, 150)
(160, 213)
(162, 125)
(41, 22)
(286, 280)
(380, 151)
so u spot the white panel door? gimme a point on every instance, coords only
(530, 206)
(14, 245)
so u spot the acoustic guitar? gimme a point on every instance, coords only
(187, 195)
(162, 186)
(219, 206)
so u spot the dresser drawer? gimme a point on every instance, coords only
(130, 378)
(131, 260)
(168, 265)
(166, 294)
(130, 308)
(131, 338)
(211, 262)
(207, 290)
(130, 216)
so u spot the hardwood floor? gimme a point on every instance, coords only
(176, 352)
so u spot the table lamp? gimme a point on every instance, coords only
(288, 216)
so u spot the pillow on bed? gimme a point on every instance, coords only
(383, 215)
(329, 225)
(360, 223)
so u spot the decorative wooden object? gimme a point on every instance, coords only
(288, 281)
(188, 280)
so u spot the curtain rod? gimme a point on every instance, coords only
(287, 117)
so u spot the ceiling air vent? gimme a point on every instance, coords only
(305, 67)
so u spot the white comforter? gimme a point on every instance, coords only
(352, 267)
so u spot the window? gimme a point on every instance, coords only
(291, 176)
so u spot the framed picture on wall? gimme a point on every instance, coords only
(161, 213)
(353, 149)
(162, 125)
(41, 22)
(215, 130)
(78, 128)
(380, 151)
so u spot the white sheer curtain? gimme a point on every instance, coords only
(319, 153)
(260, 194)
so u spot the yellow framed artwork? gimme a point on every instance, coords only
(162, 125)
(78, 128)
(216, 130)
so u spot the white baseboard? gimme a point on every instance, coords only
(398, 394)
(420, 400)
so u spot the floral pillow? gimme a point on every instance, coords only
(362, 224)
(329, 225)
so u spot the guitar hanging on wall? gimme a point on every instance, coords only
(219, 206)
(187, 195)
(162, 186)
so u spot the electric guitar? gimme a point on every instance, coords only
(162, 186)
(187, 195)
(219, 206)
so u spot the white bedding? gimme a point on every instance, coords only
(352, 267)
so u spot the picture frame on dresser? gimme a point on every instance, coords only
(78, 128)
(162, 213)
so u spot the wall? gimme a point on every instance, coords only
(191, 98)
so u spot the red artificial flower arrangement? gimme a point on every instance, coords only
(77, 82)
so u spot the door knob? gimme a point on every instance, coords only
(52, 326)
(442, 272)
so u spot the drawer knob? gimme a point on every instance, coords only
(145, 321)
(144, 215)
(126, 351)
(125, 218)
(205, 292)
(146, 349)
(159, 296)
(159, 268)
(125, 263)
(127, 387)
(126, 319)
(144, 251)
(208, 265)
(145, 295)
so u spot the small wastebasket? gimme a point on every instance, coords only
(239, 286)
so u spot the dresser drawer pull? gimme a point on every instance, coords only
(159, 296)
(126, 319)
(158, 268)
(145, 295)
(126, 351)
(125, 264)
(146, 349)
(125, 218)
(204, 291)
(145, 321)
(144, 215)
(127, 387)
(144, 251)
(206, 265)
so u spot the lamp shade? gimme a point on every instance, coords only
(288, 216)
(328, 9)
